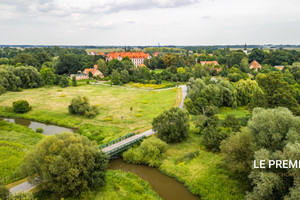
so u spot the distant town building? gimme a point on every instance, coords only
(280, 67)
(137, 58)
(156, 53)
(254, 65)
(209, 62)
(79, 76)
(93, 53)
(245, 49)
(85, 74)
(210, 54)
(94, 71)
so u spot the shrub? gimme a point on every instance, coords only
(80, 105)
(139, 115)
(39, 130)
(64, 82)
(107, 119)
(232, 122)
(4, 192)
(140, 110)
(131, 108)
(22, 196)
(63, 95)
(213, 137)
(172, 125)
(21, 106)
(144, 102)
(151, 152)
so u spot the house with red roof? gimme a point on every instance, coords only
(94, 71)
(254, 65)
(209, 63)
(279, 67)
(137, 58)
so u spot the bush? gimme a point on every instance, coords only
(21, 106)
(64, 82)
(232, 122)
(22, 196)
(139, 115)
(150, 152)
(4, 192)
(172, 125)
(80, 105)
(39, 130)
(213, 137)
(144, 102)
(66, 163)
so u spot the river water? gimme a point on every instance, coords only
(48, 129)
(168, 188)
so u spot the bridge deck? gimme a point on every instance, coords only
(118, 144)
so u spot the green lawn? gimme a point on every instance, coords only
(51, 105)
(241, 113)
(204, 175)
(15, 140)
(119, 186)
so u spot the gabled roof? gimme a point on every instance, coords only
(254, 64)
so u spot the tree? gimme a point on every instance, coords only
(64, 82)
(81, 106)
(115, 77)
(238, 152)
(172, 125)
(115, 64)
(66, 163)
(151, 152)
(273, 128)
(232, 122)
(74, 81)
(213, 136)
(29, 77)
(47, 76)
(124, 76)
(102, 67)
(68, 64)
(91, 75)
(245, 90)
(244, 65)
(21, 106)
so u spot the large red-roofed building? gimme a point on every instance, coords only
(137, 58)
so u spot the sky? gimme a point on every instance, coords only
(149, 22)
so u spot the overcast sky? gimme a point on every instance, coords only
(149, 22)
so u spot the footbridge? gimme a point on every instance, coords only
(121, 144)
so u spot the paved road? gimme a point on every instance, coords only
(23, 187)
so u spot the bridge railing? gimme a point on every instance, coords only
(124, 146)
(116, 140)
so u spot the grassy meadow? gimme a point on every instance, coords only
(15, 141)
(204, 175)
(51, 105)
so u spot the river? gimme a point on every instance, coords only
(167, 188)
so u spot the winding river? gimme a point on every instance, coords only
(168, 188)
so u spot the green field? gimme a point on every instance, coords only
(119, 186)
(241, 113)
(204, 175)
(51, 105)
(15, 140)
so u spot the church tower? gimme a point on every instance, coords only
(245, 49)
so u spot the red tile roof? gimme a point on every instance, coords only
(279, 67)
(254, 65)
(115, 55)
(209, 62)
